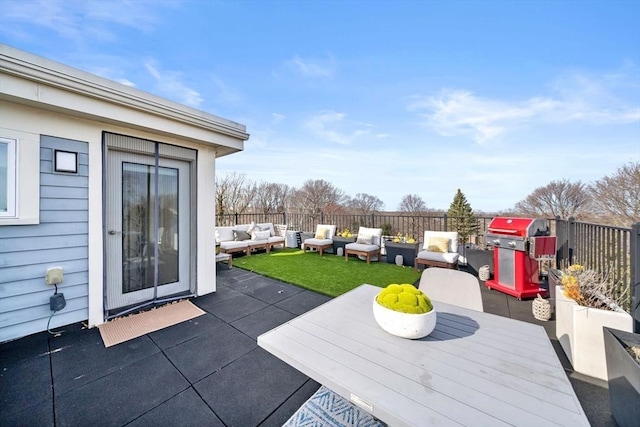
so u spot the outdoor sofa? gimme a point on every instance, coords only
(250, 237)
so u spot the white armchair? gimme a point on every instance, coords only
(367, 245)
(323, 239)
(440, 249)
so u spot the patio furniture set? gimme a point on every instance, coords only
(440, 248)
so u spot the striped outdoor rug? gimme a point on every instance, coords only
(328, 409)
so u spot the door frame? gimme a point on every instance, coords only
(159, 150)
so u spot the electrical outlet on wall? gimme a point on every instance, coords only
(57, 302)
(54, 276)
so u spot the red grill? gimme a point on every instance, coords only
(518, 245)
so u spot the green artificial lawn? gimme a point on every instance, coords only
(328, 275)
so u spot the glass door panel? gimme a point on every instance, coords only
(138, 249)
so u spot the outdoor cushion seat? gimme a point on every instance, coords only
(323, 239)
(367, 245)
(440, 249)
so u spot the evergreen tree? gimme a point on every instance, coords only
(461, 218)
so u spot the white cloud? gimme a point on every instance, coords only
(85, 20)
(277, 118)
(170, 84)
(578, 98)
(333, 127)
(313, 68)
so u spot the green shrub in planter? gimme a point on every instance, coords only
(404, 298)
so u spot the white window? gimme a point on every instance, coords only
(7, 177)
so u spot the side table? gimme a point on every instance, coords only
(409, 251)
(340, 242)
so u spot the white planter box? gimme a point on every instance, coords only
(579, 330)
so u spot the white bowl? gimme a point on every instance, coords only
(405, 325)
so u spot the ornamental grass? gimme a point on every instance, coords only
(589, 288)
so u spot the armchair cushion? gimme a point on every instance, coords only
(374, 233)
(365, 239)
(451, 235)
(361, 247)
(321, 233)
(448, 257)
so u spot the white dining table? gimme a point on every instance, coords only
(474, 369)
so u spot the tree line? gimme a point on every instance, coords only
(612, 200)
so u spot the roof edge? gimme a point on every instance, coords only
(35, 68)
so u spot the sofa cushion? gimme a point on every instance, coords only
(261, 235)
(252, 227)
(438, 244)
(266, 226)
(224, 234)
(225, 246)
(239, 235)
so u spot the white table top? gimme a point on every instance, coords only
(475, 369)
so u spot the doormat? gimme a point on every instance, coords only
(126, 328)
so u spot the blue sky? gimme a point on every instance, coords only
(379, 97)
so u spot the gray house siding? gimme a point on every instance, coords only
(60, 240)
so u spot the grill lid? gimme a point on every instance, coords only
(518, 227)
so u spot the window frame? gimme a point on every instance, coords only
(12, 177)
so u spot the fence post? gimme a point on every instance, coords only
(571, 239)
(634, 259)
(561, 242)
(373, 220)
(446, 228)
(236, 218)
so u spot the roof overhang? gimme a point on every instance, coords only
(32, 80)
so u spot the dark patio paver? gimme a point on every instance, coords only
(262, 321)
(169, 337)
(302, 302)
(25, 375)
(252, 387)
(207, 353)
(208, 371)
(122, 396)
(234, 308)
(76, 365)
(185, 409)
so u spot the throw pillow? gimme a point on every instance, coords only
(365, 239)
(266, 228)
(321, 233)
(438, 244)
(252, 227)
(239, 235)
(260, 235)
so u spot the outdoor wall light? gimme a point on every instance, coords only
(65, 161)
